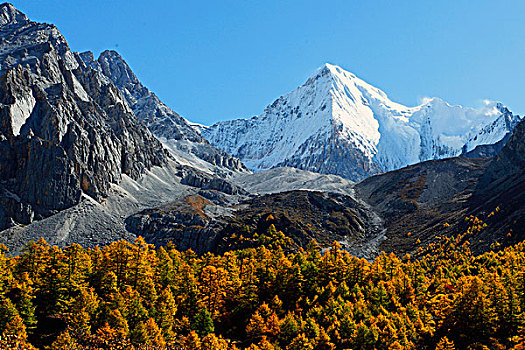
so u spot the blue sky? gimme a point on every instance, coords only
(216, 60)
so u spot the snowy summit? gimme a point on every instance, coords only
(338, 124)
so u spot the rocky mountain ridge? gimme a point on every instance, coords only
(185, 144)
(69, 138)
(81, 161)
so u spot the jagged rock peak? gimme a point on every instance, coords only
(10, 15)
(177, 134)
(114, 66)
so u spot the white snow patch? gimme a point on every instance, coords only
(21, 110)
(79, 90)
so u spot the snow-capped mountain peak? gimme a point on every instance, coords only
(339, 124)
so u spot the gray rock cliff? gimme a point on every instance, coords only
(65, 130)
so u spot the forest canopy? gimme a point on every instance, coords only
(133, 296)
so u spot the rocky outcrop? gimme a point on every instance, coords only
(64, 129)
(302, 216)
(200, 223)
(209, 182)
(188, 223)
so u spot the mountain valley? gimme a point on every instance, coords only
(90, 156)
(335, 219)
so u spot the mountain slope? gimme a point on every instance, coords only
(289, 179)
(434, 198)
(64, 132)
(75, 161)
(338, 124)
(175, 132)
(197, 223)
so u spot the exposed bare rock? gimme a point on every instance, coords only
(176, 133)
(202, 225)
(64, 130)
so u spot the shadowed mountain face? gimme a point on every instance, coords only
(435, 197)
(502, 185)
(64, 130)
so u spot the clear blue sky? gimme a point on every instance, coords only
(216, 60)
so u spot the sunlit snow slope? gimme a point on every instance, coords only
(338, 124)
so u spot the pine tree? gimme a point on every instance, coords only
(118, 323)
(52, 283)
(117, 258)
(24, 301)
(311, 328)
(65, 342)
(108, 285)
(213, 287)
(323, 341)
(134, 310)
(212, 342)
(264, 344)
(165, 268)
(203, 323)
(445, 344)
(80, 312)
(301, 342)
(76, 265)
(6, 273)
(289, 329)
(165, 311)
(107, 337)
(192, 341)
(153, 334)
(16, 327)
(256, 326)
(396, 346)
(8, 312)
(142, 272)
